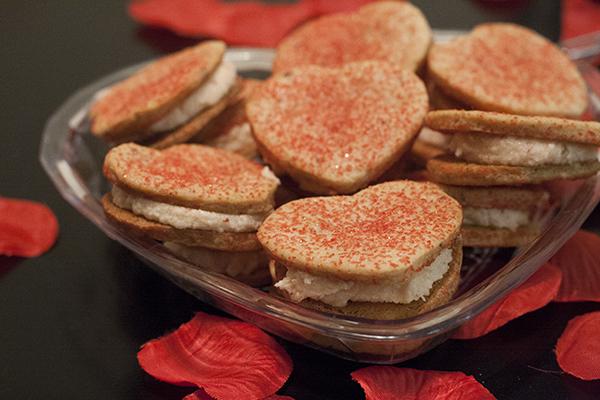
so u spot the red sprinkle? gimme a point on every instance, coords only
(391, 383)
(578, 348)
(229, 359)
(27, 228)
(539, 290)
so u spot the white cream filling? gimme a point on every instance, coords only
(268, 174)
(300, 285)
(208, 94)
(184, 217)
(236, 264)
(512, 150)
(495, 217)
(435, 138)
(237, 139)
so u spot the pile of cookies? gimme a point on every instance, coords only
(312, 202)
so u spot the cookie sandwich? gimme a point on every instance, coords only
(390, 251)
(505, 68)
(334, 130)
(168, 101)
(196, 199)
(500, 216)
(501, 149)
(392, 31)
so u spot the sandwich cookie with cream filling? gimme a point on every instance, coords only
(390, 251)
(500, 216)
(168, 101)
(502, 149)
(195, 197)
(335, 130)
(505, 68)
(391, 31)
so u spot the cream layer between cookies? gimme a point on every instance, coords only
(238, 138)
(234, 264)
(511, 150)
(434, 137)
(208, 94)
(184, 217)
(495, 217)
(300, 285)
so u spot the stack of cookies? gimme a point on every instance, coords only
(343, 108)
(507, 94)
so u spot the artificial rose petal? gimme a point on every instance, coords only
(229, 359)
(244, 22)
(198, 395)
(201, 395)
(536, 292)
(578, 348)
(27, 228)
(579, 261)
(392, 383)
(579, 17)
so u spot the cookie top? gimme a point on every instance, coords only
(340, 127)
(387, 230)
(545, 128)
(508, 68)
(391, 31)
(192, 175)
(132, 105)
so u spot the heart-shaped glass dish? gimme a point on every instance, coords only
(73, 159)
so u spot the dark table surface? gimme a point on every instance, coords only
(72, 320)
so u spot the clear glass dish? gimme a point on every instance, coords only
(73, 159)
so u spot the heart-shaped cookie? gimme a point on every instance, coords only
(334, 130)
(508, 68)
(381, 232)
(131, 106)
(392, 31)
(193, 175)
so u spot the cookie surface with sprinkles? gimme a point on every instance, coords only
(507, 68)
(334, 130)
(538, 127)
(391, 31)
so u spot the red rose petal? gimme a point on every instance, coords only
(392, 383)
(578, 348)
(244, 22)
(229, 359)
(579, 261)
(201, 395)
(198, 395)
(27, 228)
(579, 17)
(536, 292)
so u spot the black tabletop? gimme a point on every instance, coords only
(72, 320)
